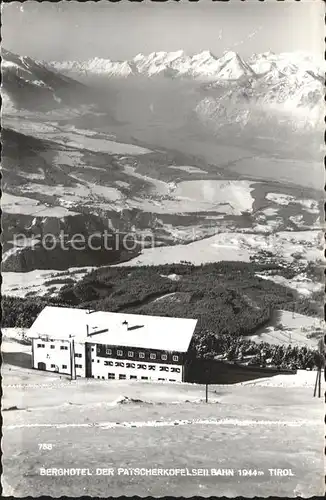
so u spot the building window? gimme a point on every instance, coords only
(52, 366)
(79, 366)
(98, 360)
(78, 355)
(161, 379)
(108, 363)
(164, 357)
(92, 348)
(141, 354)
(133, 377)
(122, 376)
(108, 351)
(111, 376)
(172, 380)
(40, 345)
(164, 368)
(52, 347)
(152, 356)
(175, 358)
(151, 367)
(130, 354)
(64, 367)
(119, 352)
(144, 378)
(141, 366)
(64, 348)
(119, 363)
(130, 365)
(103, 378)
(176, 370)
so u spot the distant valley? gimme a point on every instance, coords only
(166, 157)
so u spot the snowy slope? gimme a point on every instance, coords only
(27, 83)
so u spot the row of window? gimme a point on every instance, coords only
(62, 347)
(64, 367)
(122, 376)
(141, 355)
(141, 366)
(131, 354)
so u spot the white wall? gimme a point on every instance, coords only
(100, 369)
(80, 349)
(59, 357)
(56, 356)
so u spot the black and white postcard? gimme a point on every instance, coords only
(162, 234)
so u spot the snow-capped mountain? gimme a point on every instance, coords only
(29, 84)
(205, 65)
(278, 100)
(176, 64)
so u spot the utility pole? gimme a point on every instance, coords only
(321, 364)
(72, 361)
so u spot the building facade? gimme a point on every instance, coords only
(136, 348)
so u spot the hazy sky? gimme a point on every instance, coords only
(59, 31)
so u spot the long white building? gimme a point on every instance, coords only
(109, 345)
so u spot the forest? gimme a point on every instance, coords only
(228, 299)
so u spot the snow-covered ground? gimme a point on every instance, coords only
(292, 328)
(88, 193)
(285, 199)
(72, 138)
(28, 206)
(19, 284)
(303, 285)
(236, 246)
(228, 197)
(93, 423)
(189, 169)
(303, 378)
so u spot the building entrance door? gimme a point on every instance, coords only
(41, 366)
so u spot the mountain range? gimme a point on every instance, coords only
(291, 84)
(205, 65)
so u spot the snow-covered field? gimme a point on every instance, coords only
(100, 424)
(227, 197)
(234, 247)
(20, 284)
(88, 193)
(310, 206)
(303, 285)
(292, 328)
(189, 169)
(28, 206)
(72, 138)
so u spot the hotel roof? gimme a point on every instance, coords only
(97, 327)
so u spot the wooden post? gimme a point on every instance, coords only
(318, 383)
(315, 389)
(206, 393)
